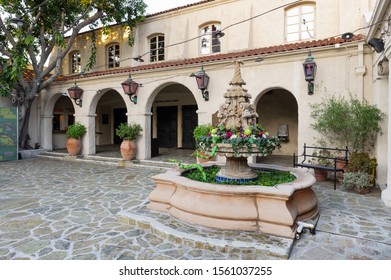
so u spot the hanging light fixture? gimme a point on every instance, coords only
(130, 88)
(76, 94)
(309, 66)
(202, 80)
(377, 44)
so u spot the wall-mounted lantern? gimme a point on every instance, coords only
(202, 80)
(377, 44)
(76, 94)
(130, 88)
(309, 66)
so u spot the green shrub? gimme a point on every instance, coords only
(128, 131)
(76, 131)
(347, 122)
(359, 180)
(200, 131)
(360, 162)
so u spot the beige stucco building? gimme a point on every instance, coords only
(272, 38)
(379, 34)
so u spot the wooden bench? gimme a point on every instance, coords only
(332, 154)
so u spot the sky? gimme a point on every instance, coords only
(155, 6)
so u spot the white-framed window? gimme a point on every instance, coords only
(113, 56)
(156, 48)
(300, 22)
(75, 58)
(209, 40)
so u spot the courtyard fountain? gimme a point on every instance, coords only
(273, 210)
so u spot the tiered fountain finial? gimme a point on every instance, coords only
(237, 112)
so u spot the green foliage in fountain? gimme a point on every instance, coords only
(265, 177)
(208, 174)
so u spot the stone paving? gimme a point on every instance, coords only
(56, 209)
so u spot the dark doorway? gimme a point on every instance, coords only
(190, 121)
(167, 126)
(119, 117)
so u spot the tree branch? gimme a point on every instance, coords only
(7, 33)
(33, 24)
(5, 52)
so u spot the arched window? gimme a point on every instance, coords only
(300, 22)
(210, 41)
(113, 56)
(75, 59)
(156, 48)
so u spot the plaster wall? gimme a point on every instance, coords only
(343, 69)
(266, 28)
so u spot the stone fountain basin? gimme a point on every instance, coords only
(272, 210)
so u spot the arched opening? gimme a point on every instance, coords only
(174, 117)
(110, 112)
(63, 116)
(278, 113)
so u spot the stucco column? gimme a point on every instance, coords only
(386, 194)
(88, 140)
(47, 132)
(143, 142)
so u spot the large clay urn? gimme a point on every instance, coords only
(73, 146)
(128, 149)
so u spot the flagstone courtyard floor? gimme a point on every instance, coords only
(59, 209)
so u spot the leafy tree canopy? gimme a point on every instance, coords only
(40, 33)
(31, 29)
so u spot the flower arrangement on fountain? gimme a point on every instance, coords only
(254, 139)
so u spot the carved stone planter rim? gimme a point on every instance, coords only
(227, 150)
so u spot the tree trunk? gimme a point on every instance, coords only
(24, 118)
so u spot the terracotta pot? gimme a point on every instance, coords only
(73, 146)
(320, 175)
(204, 158)
(341, 163)
(128, 149)
(362, 191)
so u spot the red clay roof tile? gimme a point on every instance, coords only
(217, 57)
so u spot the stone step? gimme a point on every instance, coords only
(244, 244)
(109, 160)
(52, 154)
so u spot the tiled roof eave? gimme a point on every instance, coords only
(220, 57)
(180, 8)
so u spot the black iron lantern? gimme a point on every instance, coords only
(76, 93)
(202, 80)
(309, 66)
(130, 88)
(377, 44)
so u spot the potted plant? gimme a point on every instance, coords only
(200, 132)
(321, 158)
(128, 133)
(360, 182)
(360, 162)
(74, 133)
(348, 122)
